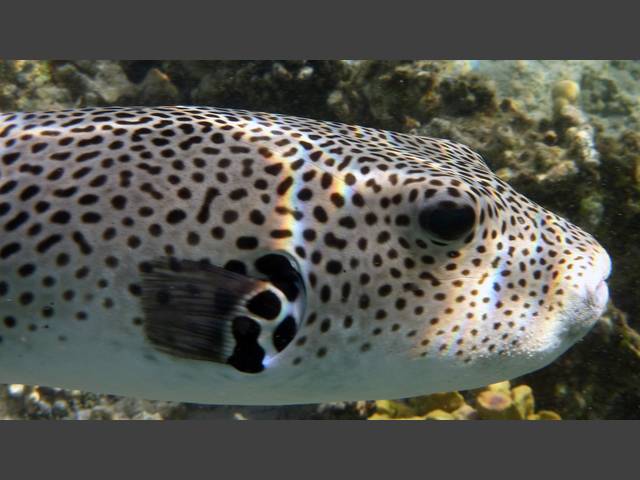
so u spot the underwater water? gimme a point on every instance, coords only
(563, 133)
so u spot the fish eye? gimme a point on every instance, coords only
(447, 220)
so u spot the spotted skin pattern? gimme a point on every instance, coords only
(420, 270)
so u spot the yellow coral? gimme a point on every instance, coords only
(496, 405)
(447, 402)
(393, 409)
(545, 415)
(494, 402)
(523, 399)
(567, 90)
(439, 415)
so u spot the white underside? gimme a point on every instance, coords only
(124, 368)
(113, 357)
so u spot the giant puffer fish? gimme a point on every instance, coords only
(224, 256)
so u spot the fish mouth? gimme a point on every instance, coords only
(582, 314)
(598, 295)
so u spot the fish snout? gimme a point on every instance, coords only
(597, 289)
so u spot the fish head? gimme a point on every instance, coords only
(485, 274)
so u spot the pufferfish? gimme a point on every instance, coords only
(230, 257)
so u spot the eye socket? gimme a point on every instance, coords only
(448, 220)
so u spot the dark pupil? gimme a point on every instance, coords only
(448, 220)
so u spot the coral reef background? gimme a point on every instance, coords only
(564, 133)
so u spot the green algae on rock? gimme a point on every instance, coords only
(599, 378)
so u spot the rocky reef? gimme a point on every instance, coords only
(564, 133)
(44, 403)
(495, 402)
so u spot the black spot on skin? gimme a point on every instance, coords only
(91, 217)
(284, 333)
(25, 298)
(10, 158)
(247, 243)
(284, 186)
(347, 222)
(9, 250)
(274, 169)
(29, 192)
(42, 207)
(265, 304)
(334, 267)
(16, 221)
(257, 217)
(320, 214)
(217, 233)
(305, 194)
(176, 216)
(309, 235)
(236, 266)
(334, 242)
(325, 294)
(61, 217)
(217, 138)
(26, 270)
(248, 354)
(38, 147)
(325, 325)
(238, 194)
(8, 187)
(281, 273)
(88, 199)
(229, 216)
(48, 242)
(326, 181)
(119, 202)
(283, 233)
(203, 213)
(99, 181)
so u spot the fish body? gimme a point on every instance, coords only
(223, 256)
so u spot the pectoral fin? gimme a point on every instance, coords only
(200, 311)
